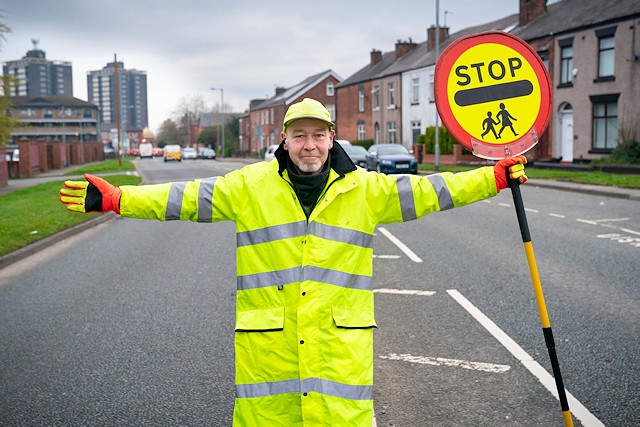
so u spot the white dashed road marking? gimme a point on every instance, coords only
(439, 361)
(408, 252)
(403, 292)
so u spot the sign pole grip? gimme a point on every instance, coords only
(514, 185)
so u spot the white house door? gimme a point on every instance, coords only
(566, 135)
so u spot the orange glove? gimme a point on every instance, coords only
(509, 168)
(93, 195)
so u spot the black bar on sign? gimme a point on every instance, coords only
(491, 93)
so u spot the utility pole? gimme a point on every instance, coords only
(221, 106)
(437, 145)
(117, 98)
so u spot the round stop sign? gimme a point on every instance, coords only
(493, 94)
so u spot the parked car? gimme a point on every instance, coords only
(206, 153)
(157, 152)
(172, 152)
(189, 153)
(270, 154)
(343, 142)
(109, 153)
(357, 153)
(391, 158)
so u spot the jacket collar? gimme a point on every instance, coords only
(340, 162)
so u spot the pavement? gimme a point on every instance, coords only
(59, 174)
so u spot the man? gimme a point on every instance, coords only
(304, 233)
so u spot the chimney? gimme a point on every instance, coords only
(431, 36)
(530, 10)
(280, 90)
(402, 47)
(376, 56)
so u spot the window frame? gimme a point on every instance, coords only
(375, 92)
(606, 55)
(566, 62)
(606, 123)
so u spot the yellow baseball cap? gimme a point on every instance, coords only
(307, 109)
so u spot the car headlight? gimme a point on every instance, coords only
(386, 162)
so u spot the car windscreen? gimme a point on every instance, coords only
(397, 149)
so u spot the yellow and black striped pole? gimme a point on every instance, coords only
(514, 185)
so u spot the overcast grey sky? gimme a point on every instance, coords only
(245, 47)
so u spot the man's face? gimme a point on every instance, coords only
(308, 142)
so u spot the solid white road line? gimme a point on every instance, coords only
(408, 252)
(547, 380)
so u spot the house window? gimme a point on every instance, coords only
(605, 57)
(544, 55)
(48, 113)
(431, 90)
(332, 111)
(415, 131)
(606, 53)
(415, 91)
(376, 97)
(27, 112)
(87, 113)
(360, 99)
(330, 89)
(392, 94)
(605, 122)
(566, 61)
(361, 134)
(391, 130)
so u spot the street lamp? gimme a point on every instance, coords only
(221, 106)
(63, 113)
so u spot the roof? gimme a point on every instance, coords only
(418, 57)
(571, 15)
(294, 92)
(368, 72)
(49, 101)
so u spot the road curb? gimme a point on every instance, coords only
(41, 244)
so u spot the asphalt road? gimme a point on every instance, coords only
(131, 322)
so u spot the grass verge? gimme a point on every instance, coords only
(583, 177)
(33, 213)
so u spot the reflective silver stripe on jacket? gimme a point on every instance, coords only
(405, 193)
(444, 196)
(299, 229)
(299, 274)
(271, 234)
(317, 385)
(205, 195)
(340, 234)
(174, 201)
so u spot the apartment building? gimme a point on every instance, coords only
(132, 85)
(54, 118)
(35, 75)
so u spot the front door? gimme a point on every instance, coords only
(566, 135)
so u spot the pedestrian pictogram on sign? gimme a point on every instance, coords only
(493, 94)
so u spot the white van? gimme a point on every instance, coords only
(145, 149)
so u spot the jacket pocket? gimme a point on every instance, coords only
(353, 319)
(264, 319)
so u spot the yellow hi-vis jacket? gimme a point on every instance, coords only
(304, 304)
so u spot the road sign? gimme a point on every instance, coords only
(493, 94)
